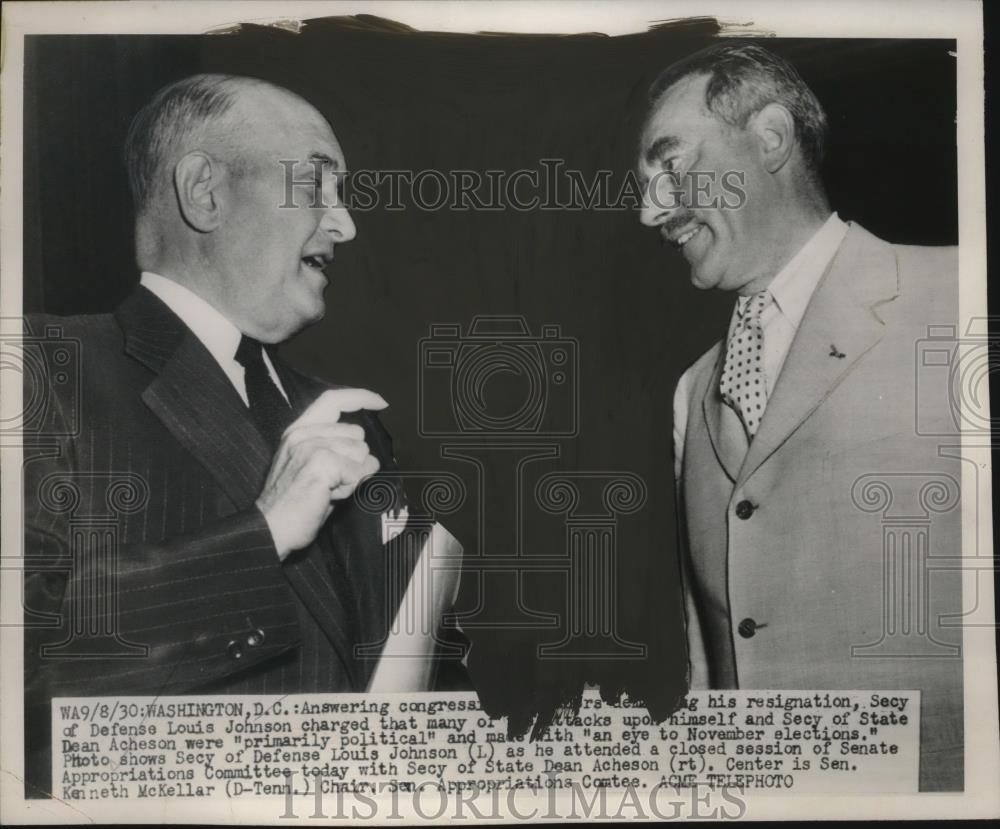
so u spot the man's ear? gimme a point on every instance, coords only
(197, 177)
(774, 128)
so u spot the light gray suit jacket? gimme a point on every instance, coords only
(813, 561)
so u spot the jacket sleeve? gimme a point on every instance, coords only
(698, 678)
(149, 618)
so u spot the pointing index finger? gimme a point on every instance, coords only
(330, 405)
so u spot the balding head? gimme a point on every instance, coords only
(210, 159)
(210, 112)
(192, 113)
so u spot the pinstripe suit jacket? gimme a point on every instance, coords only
(149, 568)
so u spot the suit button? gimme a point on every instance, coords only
(235, 650)
(747, 628)
(744, 509)
(256, 639)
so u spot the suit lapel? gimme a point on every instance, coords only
(725, 428)
(197, 403)
(318, 573)
(194, 399)
(843, 317)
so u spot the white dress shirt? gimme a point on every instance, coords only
(216, 333)
(791, 290)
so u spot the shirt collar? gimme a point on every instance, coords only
(794, 284)
(216, 333)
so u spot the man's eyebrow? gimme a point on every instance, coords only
(663, 144)
(324, 160)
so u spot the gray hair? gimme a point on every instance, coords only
(743, 78)
(177, 114)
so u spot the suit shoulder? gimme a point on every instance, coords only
(65, 357)
(92, 329)
(930, 259)
(92, 344)
(928, 277)
(914, 263)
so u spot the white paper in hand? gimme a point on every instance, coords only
(407, 661)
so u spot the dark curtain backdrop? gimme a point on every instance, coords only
(400, 99)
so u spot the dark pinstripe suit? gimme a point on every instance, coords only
(166, 461)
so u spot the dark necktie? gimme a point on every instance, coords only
(272, 414)
(268, 407)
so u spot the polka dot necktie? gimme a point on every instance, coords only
(743, 384)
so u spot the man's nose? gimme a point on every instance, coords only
(652, 214)
(655, 210)
(339, 224)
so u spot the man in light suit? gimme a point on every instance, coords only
(785, 428)
(190, 509)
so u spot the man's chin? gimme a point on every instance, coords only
(310, 315)
(296, 323)
(709, 271)
(314, 313)
(701, 279)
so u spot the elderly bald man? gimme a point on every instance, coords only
(237, 558)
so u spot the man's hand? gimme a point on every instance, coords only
(319, 461)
